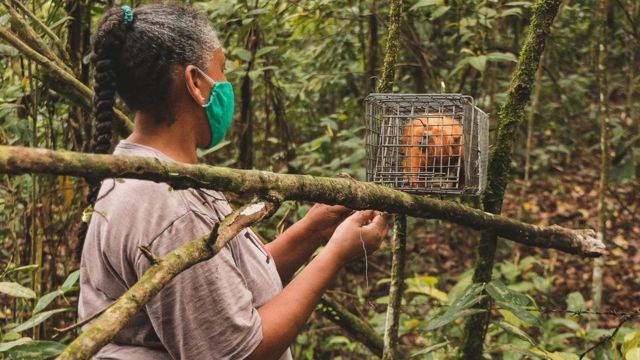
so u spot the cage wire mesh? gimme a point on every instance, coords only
(426, 143)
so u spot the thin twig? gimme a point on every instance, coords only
(149, 255)
(603, 340)
(60, 331)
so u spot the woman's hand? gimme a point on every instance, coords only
(285, 314)
(368, 227)
(321, 220)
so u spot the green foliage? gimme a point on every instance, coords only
(15, 346)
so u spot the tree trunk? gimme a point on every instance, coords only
(372, 56)
(398, 246)
(398, 252)
(252, 41)
(603, 115)
(529, 134)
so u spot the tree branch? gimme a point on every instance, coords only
(115, 317)
(347, 192)
(358, 329)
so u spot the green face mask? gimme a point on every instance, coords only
(219, 109)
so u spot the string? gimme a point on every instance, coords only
(366, 261)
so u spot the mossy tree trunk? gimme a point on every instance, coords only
(399, 245)
(511, 117)
(396, 287)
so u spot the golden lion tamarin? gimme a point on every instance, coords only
(435, 145)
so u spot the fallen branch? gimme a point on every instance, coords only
(347, 192)
(115, 317)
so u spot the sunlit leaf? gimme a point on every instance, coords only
(36, 350)
(478, 62)
(430, 349)
(36, 320)
(9, 344)
(25, 268)
(70, 281)
(512, 301)
(45, 300)
(242, 54)
(411, 323)
(423, 3)
(511, 12)
(265, 50)
(515, 331)
(460, 307)
(16, 290)
(441, 10)
(501, 57)
(631, 340)
(575, 301)
(500, 292)
(632, 354)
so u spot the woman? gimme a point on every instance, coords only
(167, 65)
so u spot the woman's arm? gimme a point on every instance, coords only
(283, 316)
(296, 244)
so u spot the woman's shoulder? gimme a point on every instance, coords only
(137, 193)
(155, 206)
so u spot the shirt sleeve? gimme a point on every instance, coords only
(205, 312)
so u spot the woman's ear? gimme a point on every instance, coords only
(196, 85)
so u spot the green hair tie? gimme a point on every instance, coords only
(127, 15)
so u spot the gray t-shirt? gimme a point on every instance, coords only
(206, 312)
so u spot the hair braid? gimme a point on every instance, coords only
(107, 48)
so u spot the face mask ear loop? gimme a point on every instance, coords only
(213, 82)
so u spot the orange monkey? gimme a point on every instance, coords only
(444, 144)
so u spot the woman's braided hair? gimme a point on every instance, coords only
(139, 59)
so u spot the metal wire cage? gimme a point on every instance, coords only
(427, 143)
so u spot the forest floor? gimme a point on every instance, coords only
(568, 198)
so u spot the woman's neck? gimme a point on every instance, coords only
(175, 140)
